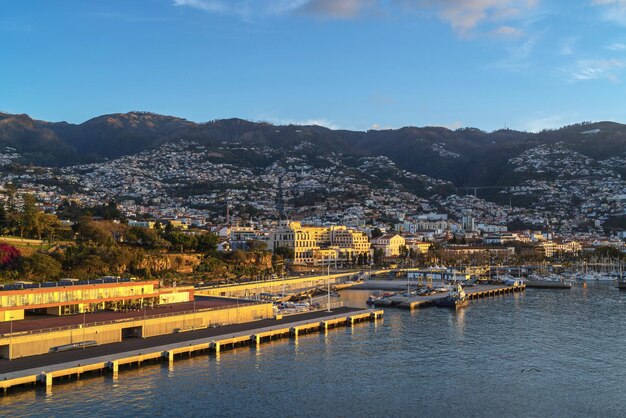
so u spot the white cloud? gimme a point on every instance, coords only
(243, 8)
(602, 69)
(567, 46)
(614, 10)
(453, 125)
(466, 15)
(519, 54)
(617, 46)
(546, 122)
(305, 122)
(338, 9)
(506, 32)
(379, 127)
(333, 9)
(463, 16)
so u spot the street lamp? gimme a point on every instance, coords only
(11, 338)
(328, 283)
(84, 323)
(193, 324)
(144, 318)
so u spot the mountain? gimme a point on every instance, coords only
(467, 156)
(34, 141)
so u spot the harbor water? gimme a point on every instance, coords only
(538, 353)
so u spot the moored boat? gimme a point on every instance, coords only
(455, 299)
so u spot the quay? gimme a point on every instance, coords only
(545, 284)
(473, 293)
(44, 369)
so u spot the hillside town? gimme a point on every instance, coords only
(255, 193)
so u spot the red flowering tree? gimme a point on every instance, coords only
(8, 255)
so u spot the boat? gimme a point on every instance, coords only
(345, 285)
(382, 301)
(456, 299)
(372, 299)
(551, 281)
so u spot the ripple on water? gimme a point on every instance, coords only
(542, 353)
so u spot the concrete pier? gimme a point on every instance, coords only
(44, 369)
(546, 284)
(473, 293)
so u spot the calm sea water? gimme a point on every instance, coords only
(543, 353)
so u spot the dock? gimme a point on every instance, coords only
(473, 293)
(547, 284)
(28, 372)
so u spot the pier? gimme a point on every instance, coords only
(109, 358)
(547, 284)
(472, 293)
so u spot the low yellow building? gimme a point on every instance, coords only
(418, 246)
(57, 299)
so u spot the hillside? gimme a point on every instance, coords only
(466, 156)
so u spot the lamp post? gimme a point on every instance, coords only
(328, 283)
(144, 318)
(84, 323)
(11, 338)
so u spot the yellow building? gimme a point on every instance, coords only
(546, 248)
(390, 244)
(78, 298)
(319, 245)
(550, 248)
(418, 246)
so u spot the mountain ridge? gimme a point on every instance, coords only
(465, 156)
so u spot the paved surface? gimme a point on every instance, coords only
(37, 322)
(45, 360)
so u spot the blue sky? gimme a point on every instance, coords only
(354, 64)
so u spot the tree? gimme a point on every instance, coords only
(379, 254)
(28, 217)
(376, 232)
(3, 216)
(9, 255)
(256, 245)
(100, 233)
(206, 243)
(146, 238)
(181, 240)
(284, 252)
(11, 211)
(40, 266)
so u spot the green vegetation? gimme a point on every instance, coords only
(41, 248)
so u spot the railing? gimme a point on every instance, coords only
(333, 305)
(133, 319)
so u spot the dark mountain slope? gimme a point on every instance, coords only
(465, 156)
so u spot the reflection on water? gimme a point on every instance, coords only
(542, 353)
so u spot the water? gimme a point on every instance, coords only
(542, 353)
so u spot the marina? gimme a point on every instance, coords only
(472, 293)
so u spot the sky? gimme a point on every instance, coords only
(349, 64)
